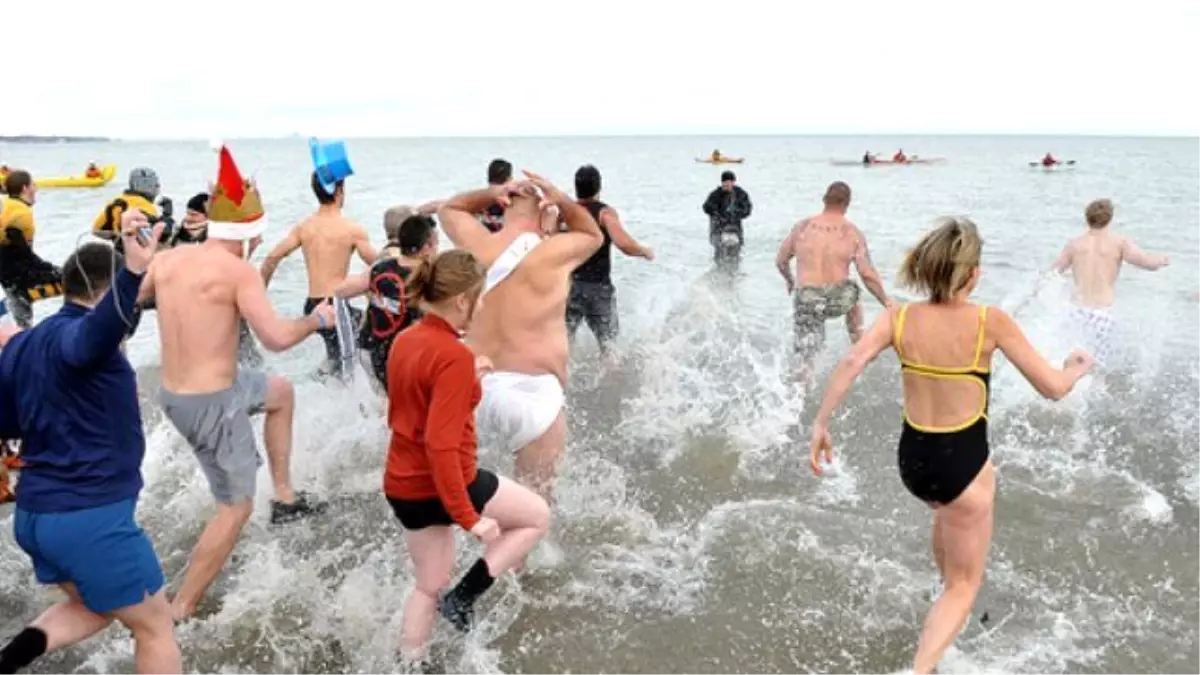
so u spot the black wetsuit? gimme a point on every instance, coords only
(387, 313)
(593, 298)
(726, 210)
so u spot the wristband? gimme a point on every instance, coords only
(320, 322)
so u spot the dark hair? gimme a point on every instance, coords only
(88, 272)
(16, 183)
(587, 182)
(415, 233)
(198, 203)
(499, 172)
(1099, 213)
(450, 274)
(728, 175)
(324, 197)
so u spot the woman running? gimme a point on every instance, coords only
(945, 348)
(431, 480)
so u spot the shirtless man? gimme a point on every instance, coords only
(202, 291)
(521, 324)
(326, 239)
(824, 246)
(1094, 259)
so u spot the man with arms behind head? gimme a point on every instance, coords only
(202, 291)
(499, 173)
(326, 239)
(1094, 260)
(521, 324)
(73, 397)
(824, 246)
(593, 298)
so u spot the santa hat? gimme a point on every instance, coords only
(235, 211)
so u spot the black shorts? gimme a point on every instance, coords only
(333, 350)
(595, 304)
(423, 513)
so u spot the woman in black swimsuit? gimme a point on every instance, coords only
(945, 347)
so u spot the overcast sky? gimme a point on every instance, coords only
(230, 68)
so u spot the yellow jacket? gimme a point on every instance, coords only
(15, 213)
(108, 224)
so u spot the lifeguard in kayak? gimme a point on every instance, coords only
(93, 171)
(900, 157)
(1050, 160)
(868, 158)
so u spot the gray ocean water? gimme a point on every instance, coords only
(690, 535)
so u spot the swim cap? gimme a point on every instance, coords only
(144, 181)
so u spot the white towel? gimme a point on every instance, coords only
(510, 259)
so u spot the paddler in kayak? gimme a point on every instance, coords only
(900, 157)
(1050, 160)
(92, 171)
(24, 276)
(868, 158)
(144, 188)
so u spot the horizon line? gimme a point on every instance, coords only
(24, 138)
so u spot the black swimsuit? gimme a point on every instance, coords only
(937, 464)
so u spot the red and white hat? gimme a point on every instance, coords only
(235, 210)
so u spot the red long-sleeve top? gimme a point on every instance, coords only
(432, 394)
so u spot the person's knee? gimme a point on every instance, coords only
(281, 395)
(540, 516)
(431, 583)
(236, 514)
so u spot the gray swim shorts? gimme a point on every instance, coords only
(217, 425)
(814, 305)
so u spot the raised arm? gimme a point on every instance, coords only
(449, 411)
(282, 250)
(583, 236)
(275, 333)
(787, 251)
(866, 270)
(460, 217)
(611, 222)
(1132, 254)
(362, 246)
(430, 208)
(1049, 381)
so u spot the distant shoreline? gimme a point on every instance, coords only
(54, 139)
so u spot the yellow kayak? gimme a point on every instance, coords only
(105, 177)
(723, 160)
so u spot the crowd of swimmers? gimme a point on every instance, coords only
(474, 336)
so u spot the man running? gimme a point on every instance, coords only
(824, 246)
(593, 298)
(71, 395)
(521, 324)
(24, 276)
(411, 240)
(499, 173)
(1094, 260)
(726, 208)
(327, 239)
(202, 290)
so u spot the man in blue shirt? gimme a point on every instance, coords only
(73, 397)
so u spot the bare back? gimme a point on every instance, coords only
(327, 242)
(824, 246)
(196, 298)
(521, 325)
(1095, 263)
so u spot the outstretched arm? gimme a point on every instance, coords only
(282, 250)
(276, 334)
(353, 285)
(611, 222)
(460, 217)
(1132, 254)
(1049, 381)
(866, 270)
(787, 251)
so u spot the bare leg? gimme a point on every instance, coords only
(524, 518)
(966, 537)
(432, 553)
(155, 648)
(211, 552)
(277, 434)
(939, 549)
(69, 622)
(854, 323)
(537, 463)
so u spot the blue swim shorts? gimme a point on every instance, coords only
(102, 551)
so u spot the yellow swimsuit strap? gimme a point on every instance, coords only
(947, 373)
